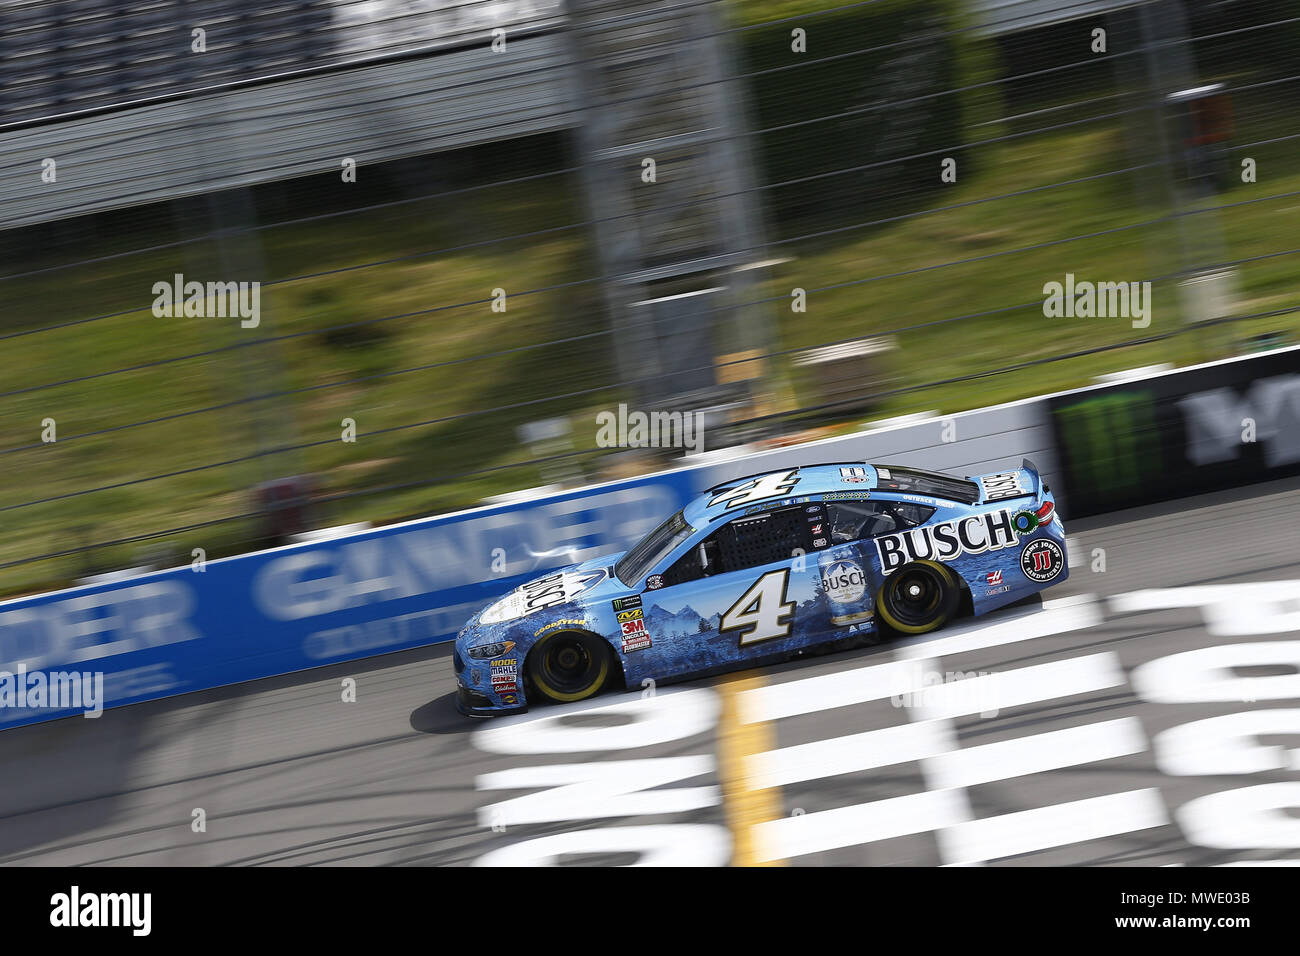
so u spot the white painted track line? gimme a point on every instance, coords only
(1028, 831)
(862, 823)
(1021, 756)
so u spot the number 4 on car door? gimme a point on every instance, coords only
(762, 613)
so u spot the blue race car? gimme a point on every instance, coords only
(764, 568)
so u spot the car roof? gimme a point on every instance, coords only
(781, 484)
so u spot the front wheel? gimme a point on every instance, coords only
(566, 666)
(918, 598)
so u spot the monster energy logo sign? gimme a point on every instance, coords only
(1111, 444)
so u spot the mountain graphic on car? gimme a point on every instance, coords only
(764, 568)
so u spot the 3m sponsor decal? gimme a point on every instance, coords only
(623, 604)
(853, 475)
(973, 534)
(1003, 485)
(1042, 560)
(635, 636)
(505, 675)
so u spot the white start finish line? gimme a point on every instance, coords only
(1251, 817)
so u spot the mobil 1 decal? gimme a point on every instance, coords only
(973, 534)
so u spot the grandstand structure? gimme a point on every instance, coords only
(157, 100)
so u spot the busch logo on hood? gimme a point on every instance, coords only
(558, 588)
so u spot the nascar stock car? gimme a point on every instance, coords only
(765, 568)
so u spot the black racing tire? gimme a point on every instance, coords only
(565, 666)
(918, 598)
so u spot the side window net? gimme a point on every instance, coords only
(745, 543)
(761, 539)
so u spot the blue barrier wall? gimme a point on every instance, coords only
(302, 606)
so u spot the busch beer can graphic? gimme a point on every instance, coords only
(847, 589)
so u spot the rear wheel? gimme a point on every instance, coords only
(565, 666)
(918, 598)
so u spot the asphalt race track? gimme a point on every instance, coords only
(1147, 714)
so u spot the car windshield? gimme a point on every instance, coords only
(652, 549)
(927, 483)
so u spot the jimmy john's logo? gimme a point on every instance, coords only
(973, 534)
(1042, 560)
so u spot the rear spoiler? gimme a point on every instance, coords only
(1035, 478)
(1011, 486)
